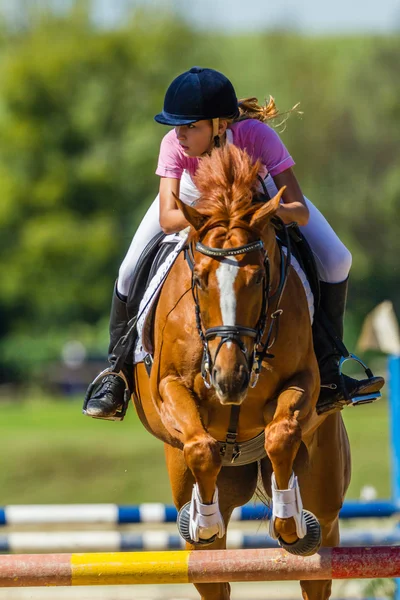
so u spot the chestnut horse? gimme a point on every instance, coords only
(222, 416)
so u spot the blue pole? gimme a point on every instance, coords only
(394, 420)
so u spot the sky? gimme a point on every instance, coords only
(308, 16)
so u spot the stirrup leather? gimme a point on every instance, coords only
(120, 414)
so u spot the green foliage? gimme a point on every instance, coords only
(78, 150)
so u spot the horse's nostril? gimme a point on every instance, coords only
(238, 382)
(245, 380)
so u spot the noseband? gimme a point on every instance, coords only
(234, 333)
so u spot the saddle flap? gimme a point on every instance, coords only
(301, 250)
(158, 271)
(141, 274)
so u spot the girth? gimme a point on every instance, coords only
(245, 452)
(236, 454)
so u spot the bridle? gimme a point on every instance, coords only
(234, 333)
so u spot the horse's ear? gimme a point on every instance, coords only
(196, 219)
(267, 210)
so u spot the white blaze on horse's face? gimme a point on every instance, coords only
(226, 275)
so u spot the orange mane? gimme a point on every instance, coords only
(226, 181)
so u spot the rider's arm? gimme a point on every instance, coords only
(269, 148)
(293, 207)
(171, 218)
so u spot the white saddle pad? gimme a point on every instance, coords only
(148, 303)
(306, 285)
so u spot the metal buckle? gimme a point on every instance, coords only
(255, 369)
(206, 375)
(148, 363)
(230, 450)
(236, 453)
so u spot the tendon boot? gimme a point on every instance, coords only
(337, 389)
(108, 395)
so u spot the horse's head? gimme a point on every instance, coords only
(229, 242)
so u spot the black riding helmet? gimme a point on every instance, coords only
(198, 94)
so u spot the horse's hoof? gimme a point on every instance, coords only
(183, 521)
(310, 543)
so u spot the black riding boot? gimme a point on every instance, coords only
(107, 397)
(337, 389)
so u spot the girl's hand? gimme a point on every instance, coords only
(293, 206)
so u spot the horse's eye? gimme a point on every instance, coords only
(258, 278)
(198, 281)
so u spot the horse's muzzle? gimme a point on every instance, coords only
(231, 386)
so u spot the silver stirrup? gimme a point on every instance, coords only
(120, 414)
(362, 398)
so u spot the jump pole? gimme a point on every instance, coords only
(197, 567)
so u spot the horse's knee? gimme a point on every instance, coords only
(282, 438)
(202, 455)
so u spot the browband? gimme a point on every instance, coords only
(258, 245)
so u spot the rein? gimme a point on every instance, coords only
(227, 333)
(229, 449)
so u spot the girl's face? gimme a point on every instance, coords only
(196, 139)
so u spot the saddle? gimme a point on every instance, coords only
(151, 257)
(301, 250)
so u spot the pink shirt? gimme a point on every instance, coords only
(258, 139)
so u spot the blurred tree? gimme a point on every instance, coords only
(346, 146)
(78, 150)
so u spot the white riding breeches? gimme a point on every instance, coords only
(148, 228)
(332, 257)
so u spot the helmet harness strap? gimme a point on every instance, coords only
(215, 133)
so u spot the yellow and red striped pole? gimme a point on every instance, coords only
(125, 568)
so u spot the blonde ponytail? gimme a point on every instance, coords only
(249, 108)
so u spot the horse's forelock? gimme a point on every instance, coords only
(226, 181)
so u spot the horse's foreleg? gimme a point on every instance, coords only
(283, 436)
(321, 589)
(201, 453)
(181, 484)
(324, 483)
(213, 591)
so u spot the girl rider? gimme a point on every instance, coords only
(202, 107)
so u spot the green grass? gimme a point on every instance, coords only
(368, 429)
(53, 454)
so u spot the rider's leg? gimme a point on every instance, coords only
(107, 398)
(334, 262)
(337, 389)
(147, 230)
